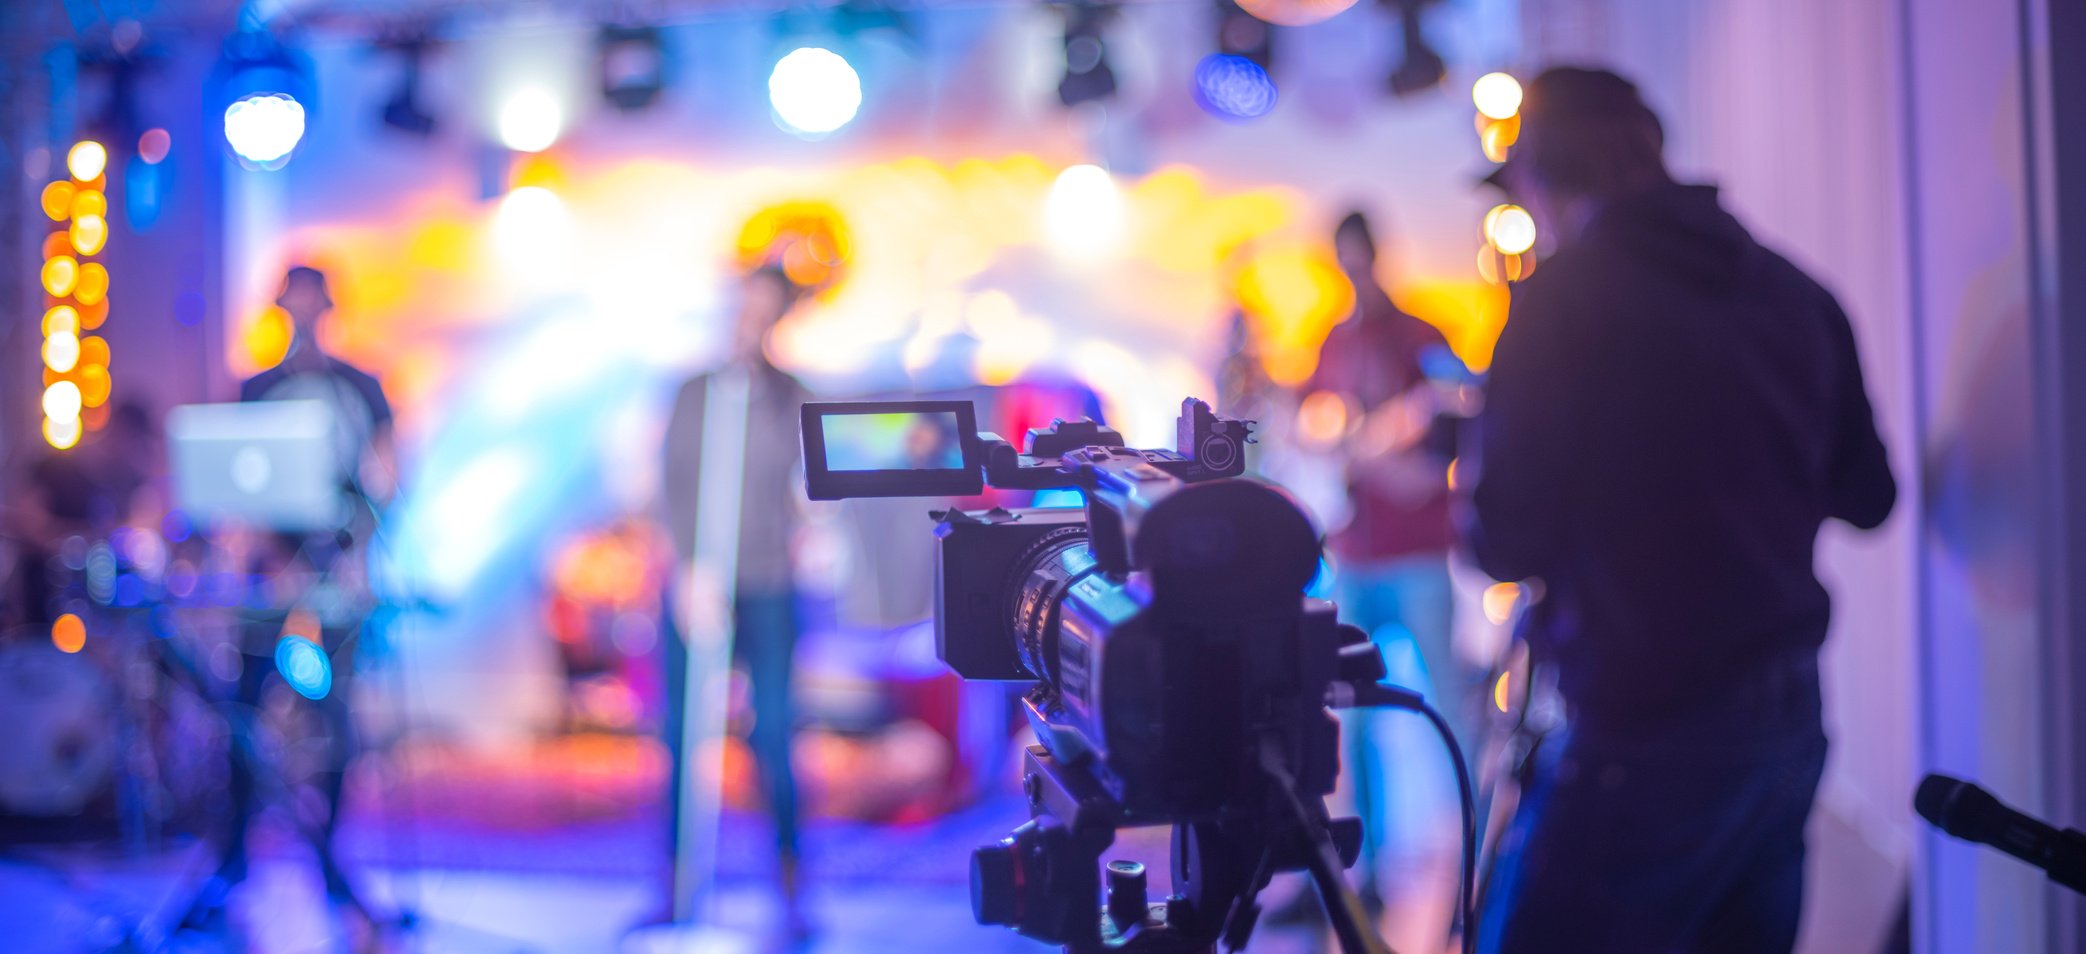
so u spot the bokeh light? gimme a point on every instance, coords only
(61, 351)
(1510, 229)
(814, 91)
(57, 200)
(95, 384)
(61, 401)
(809, 240)
(1322, 419)
(91, 285)
(1295, 12)
(89, 202)
(1499, 135)
(530, 120)
(1233, 87)
(61, 318)
(69, 633)
(1295, 294)
(89, 233)
(1496, 95)
(153, 146)
(94, 350)
(304, 666)
(264, 127)
(62, 433)
(1499, 601)
(60, 274)
(86, 160)
(1083, 213)
(267, 337)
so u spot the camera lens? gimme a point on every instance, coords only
(1050, 565)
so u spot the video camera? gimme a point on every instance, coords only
(1181, 675)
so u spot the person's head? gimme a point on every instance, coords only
(1354, 243)
(1586, 137)
(305, 299)
(766, 294)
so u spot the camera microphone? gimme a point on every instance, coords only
(1973, 814)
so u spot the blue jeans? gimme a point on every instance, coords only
(1407, 608)
(764, 643)
(1685, 836)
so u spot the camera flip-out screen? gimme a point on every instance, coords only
(891, 449)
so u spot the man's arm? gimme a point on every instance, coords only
(1859, 488)
(681, 464)
(1518, 500)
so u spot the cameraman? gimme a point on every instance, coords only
(1673, 412)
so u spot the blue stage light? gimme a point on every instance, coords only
(1233, 87)
(304, 666)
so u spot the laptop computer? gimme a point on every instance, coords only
(269, 464)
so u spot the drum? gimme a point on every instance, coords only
(58, 752)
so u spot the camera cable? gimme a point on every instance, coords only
(1375, 694)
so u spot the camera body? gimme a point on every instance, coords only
(1171, 648)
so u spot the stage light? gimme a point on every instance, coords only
(1510, 229)
(154, 145)
(87, 160)
(62, 401)
(1233, 87)
(62, 434)
(57, 200)
(403, 111)
(1497, 95)
(1083, 213)
(263, 128)
(60, 274)
(814, 91)
(1420, 67)
(1088, 76)
(530, 120)
(61, 351)
(89, 233)
(533, 233)
(633, 66)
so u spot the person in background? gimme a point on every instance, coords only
(312, 585)
(1371, 397)
(764, 594)
(1673, 411)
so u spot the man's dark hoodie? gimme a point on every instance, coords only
(1673, 411)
